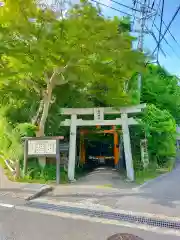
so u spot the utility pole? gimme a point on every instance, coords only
(141, 40)
(143, 15)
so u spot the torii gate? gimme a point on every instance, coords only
(99, 120)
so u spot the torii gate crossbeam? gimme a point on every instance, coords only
(99, 113)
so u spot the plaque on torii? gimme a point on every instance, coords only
(98, 114)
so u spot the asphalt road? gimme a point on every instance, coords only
(159, 196)
(22, 224)
(162, 194)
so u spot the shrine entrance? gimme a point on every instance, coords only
(101, 151)
(124, 121)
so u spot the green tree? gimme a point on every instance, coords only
(43, 53)
(159, 127)
(162, 89)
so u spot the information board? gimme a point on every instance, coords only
(42, 147)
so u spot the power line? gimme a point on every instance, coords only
(152, 6)
(134, 13)
(134, 2)
(169, 25)
(135, 10)
(158, 14)
(165, 40)
(158, 7)
(161, 35)
(115, 9)
(126, 6)
(160, 30)
(171, 34)
(147, 6)
(153, 24)
(154, 36)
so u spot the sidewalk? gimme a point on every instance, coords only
(17, 189)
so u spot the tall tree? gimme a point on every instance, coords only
(83, 49)
(162, 89)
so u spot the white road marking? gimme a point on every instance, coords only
(102, 221)
(94, 219)
(6, 205)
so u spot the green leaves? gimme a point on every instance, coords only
(162, 89)
(89, 44)
(89, 56)
(160, 128)
(159, 121)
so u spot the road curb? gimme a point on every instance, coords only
(40, 193)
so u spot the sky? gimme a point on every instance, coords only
(172, 59)
(171, 62)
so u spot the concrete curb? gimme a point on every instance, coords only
(40, 193)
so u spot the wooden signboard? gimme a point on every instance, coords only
(42, 147)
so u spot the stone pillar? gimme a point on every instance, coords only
(127, 147)
(72, 148)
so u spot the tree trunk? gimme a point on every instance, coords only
(38, 113)
(17, 170)
(46, 105)
(44, 116)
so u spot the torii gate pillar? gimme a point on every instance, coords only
(99, 120)
(72, 148)
(127, 147)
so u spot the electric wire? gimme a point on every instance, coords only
(126, 6)
(171, 34)
(134, 13)
(115, 9)
(152, 6)
(168, 26)
(153, 24)
(157, 12)
(134, 8)
(160, 30)
(154, 36)
(165, 40)
(148, 7)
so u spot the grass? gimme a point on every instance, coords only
(148, 174)
(153, 171)
(46, 175)
(36, 174)
(27, 180)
